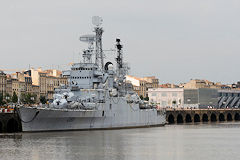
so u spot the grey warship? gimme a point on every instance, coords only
(97, 96)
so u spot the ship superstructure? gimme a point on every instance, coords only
(97, 95)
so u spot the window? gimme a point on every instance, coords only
(164, 94)
(164, 103)
(154, 94)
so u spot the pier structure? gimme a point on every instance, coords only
(178, 116)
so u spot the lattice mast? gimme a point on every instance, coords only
(99, 60)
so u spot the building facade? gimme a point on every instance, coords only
(184, 98)
(48, 81)
(229, 98)
(3, 82)
(141, 85)
(35, 82)
(201, 98)
(166, 97)
(200, 83)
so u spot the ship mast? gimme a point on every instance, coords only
(119, 58)
(97, 21)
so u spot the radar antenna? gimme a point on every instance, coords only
(87, 54)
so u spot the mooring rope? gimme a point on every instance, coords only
(23, 120)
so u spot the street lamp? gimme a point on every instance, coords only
(7, 98)
(32, 98)
(224, 103)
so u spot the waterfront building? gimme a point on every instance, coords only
(141, 85)
(36, 82)
(36, 91)
(48, 81)
(169, 85)
(199, 83)
(201, 98)
(229, 98)
(3, 82)
(18, 87)
(166, 97)
(9, 89)
(184, 98)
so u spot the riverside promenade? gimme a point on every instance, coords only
(178, 116)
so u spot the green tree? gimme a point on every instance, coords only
(146, 98)
(28, 98)
(174, 102)
(2, 102)
(23, 98)
(43, 100)
(14, 97)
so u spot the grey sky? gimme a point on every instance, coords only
(176, 40)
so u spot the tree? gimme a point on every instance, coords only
(43, 99)
(23, 98)
(28, 98)
(174, 102)
(2, 102)
(14, 97)
(146, 98)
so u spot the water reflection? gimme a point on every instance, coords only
(202, 141)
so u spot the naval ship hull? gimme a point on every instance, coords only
(48, 119)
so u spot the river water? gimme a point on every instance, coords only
(218, 141)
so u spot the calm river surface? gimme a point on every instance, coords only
(219, 141)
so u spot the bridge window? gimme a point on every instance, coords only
(179, 118)
(229, 117)
(205, 118)
(171, 119)
(213, 117)
(237, 117)
(196, 118)
(1, 127)
(221, 117)
(12, 126)
(188, 118)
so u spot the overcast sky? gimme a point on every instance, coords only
(175, 40)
